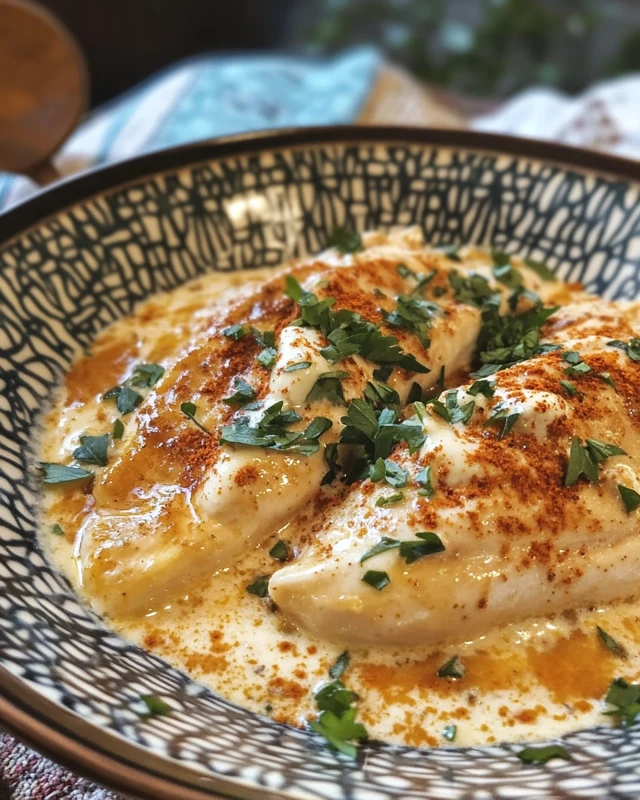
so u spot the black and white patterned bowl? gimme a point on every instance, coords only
(83, 253)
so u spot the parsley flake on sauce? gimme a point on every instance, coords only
(584, 459)
(376, 578)
(92, 450)
(339, 666)
(569, 388)
(451, 411)
(630, 498)
(242, 395)
(449, 733)
(504, 419)
(146, 375)
(426, 544)
(56, 529)
(423, 479)
(390, 499)
(453, 668)
(127, 399)
(280, 551)
(118, 429)
(541, 269)
(298, 365)
(483, 386)
(336, 720)
(190, 410)
(631, 348)
(625, 701)
(610, 643)
(540, 755)
(260, 586)
(328, 386)
(60, 473)
(236, 332)
(385, 544)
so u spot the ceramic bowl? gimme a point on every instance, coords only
(83, 253)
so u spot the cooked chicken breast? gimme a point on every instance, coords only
(220, 454)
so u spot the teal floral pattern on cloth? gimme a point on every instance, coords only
(214, 95)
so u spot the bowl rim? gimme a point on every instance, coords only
(23, 711)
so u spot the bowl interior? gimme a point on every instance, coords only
(250, 205)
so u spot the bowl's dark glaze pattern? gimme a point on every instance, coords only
(68, 277)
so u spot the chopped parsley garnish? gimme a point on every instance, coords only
(390, 499)
(503, 271)
(260, 586)
(625, 699)
(569, 388)
(540, 755)
(347, 332)
(484, 387)
(336, 721)
(392, 473)
(280, 551)
(339, 666)
(631, 348)
(331, 460)
(630, 498)
(378, 431)
(576, 365)
(126, 398)
(404, 272)
(504, 419)
(267, 357)
(584, 459)
(271, 431)
(426, 544)
(155, 706)
(542, 270)
(449, 733)
(451, 411)
(56, 529)
(298, 365)
(60, 473)
(328, 386)
(146, 375)
(423, 479)
(453, 668)
(118, 429)
(92, 450)
(379, 396)
(605, 377)
(414, 315)
(610, 643)
(386, 543)
(190, 410)
(344, 241)
(236, 332)
(242, 395)
(376, 578)
(450, 251)
(471, 289)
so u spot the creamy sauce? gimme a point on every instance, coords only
(534, 679)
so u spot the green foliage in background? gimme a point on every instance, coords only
(490, 47)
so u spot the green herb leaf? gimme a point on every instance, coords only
(92, 450)
(236, 332)
(542, 270)
(504, 419)
(569, 388)
(267, 357)
(280, 551)
(56, 529)
(453, 668)
(118, 429)
(389, 499)
(377, 470)
(427, 543)
(472, 289)
(340, 731)
(344, 241)
(483, 387)
(243, 393)
(631, 348)
(376, 579)
(630, 498)
(328, 386)
(580, 463)
(625, 699)
(449, 733)
(339, 666)
(386, 543)
(599, 451)
(540, 755)
(450, 251)
(146, 375)
(126, 398)
(610, 643)
(423, 479)
(503, 271)
(60, 473)
(190, 410)
(395, 475)
(298, 365)
(260, 586)
(414, 315)
(156, 707)
(579, 369)
(605, 377)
